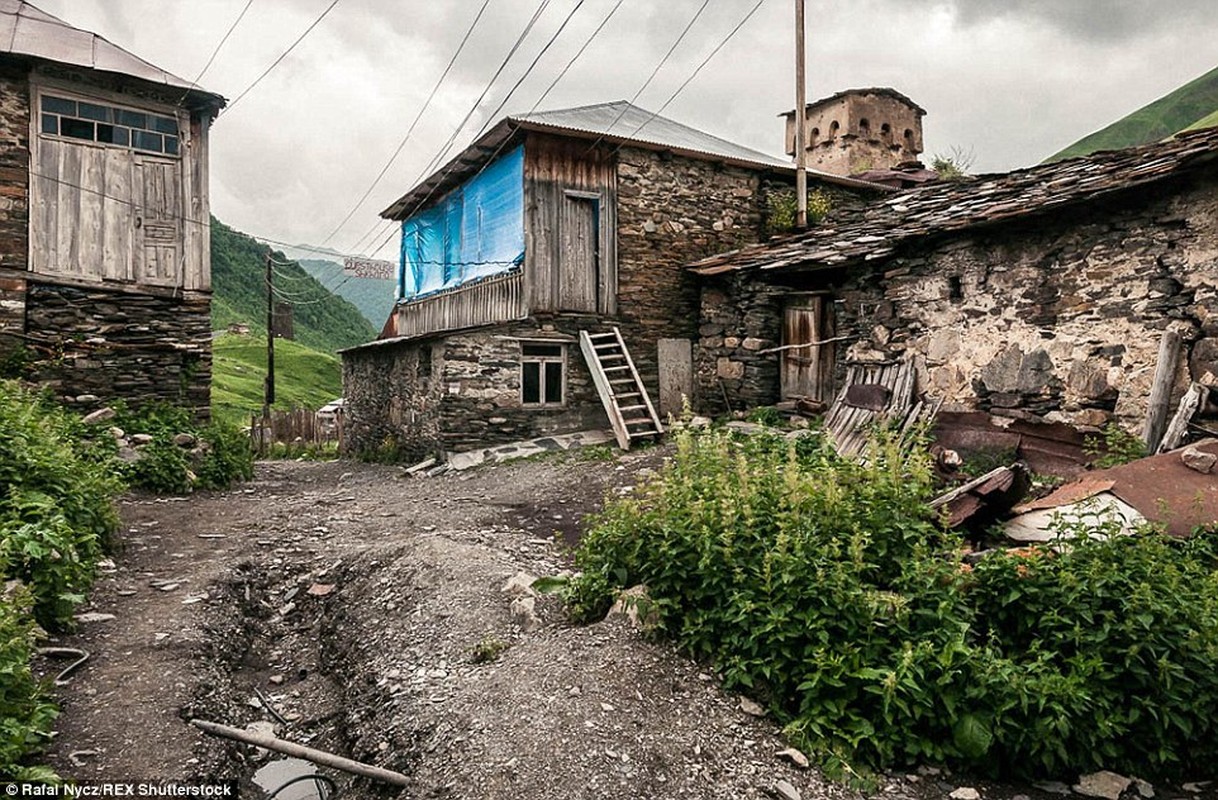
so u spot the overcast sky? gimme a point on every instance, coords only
(1011, 81)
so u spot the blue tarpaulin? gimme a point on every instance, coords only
(474, 231)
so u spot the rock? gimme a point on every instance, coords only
(186, 440)
(524, 613)
(1053, 787)
(94, 616)
(1103, 784)
(728, 369)
(118, 433)
(168, 587)
(139, 439)
(786, 791)
(746, 428)
(929, 772)
(635, 605)
(1144, 788)
(751, 708)
(275, 680)
(965, 793)
(700, 422)
(1198, 460)
(86, 398)
(794, 756)
(100, 415)
(320, 589)
(1195, 787)
(752, 343)
(520, 584)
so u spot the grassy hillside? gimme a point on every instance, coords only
(1166, 116)
(303, 377)
(373, 297)
(322, 321)
(1205, 122)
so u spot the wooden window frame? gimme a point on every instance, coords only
(543, 360)
(43, 86)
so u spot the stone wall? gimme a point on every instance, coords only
(95, 345)
(1058, 317)
(461, 392)
(14, 200)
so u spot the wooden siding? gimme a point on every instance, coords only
(562, 180)
(109, 213)
(500, 298)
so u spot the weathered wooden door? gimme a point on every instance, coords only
(158, 221)
(579, 253)
(807, 368)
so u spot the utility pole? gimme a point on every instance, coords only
(269, 397)
(801, 124)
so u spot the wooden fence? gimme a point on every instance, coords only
(297, 430)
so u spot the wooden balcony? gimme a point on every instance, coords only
(496, 299)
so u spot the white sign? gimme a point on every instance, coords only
(369, 268)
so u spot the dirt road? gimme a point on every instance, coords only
(362, 611)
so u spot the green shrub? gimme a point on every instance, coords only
(26, 714)
(826, 588)
(1114, 447)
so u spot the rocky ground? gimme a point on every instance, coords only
(363, 611)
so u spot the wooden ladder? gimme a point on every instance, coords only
(620, 387)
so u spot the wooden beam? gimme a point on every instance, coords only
(1160, 390)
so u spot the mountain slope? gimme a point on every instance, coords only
(1205, 122)
(303, 377)
(372, 296)
(1166, 116)
(321, 320)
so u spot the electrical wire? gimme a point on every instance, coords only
(650, 77)
(410, 131)
(195, 83)
(694, 74)
(282, 56)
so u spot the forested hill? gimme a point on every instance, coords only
(372, 296)
(321, 320)
(1193, 105)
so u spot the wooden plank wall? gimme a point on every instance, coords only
(552, 167)
(109, 213)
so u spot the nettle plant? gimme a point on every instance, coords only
(827, 588)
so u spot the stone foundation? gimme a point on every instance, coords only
(92, 346)
(1057, 318)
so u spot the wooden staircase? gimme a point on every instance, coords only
(620, 387)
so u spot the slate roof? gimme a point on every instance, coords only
(880, 228)
(636, 127)
(28, 31)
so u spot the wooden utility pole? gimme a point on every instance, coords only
(801, 123)
(269, 396)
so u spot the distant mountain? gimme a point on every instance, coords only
(372, 296)
(1184, 109)
(321, 320)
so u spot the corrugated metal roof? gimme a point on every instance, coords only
(624, 121)
(636, 127)
(29, 31)
(877, 230)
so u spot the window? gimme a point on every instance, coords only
(96, 122)
(543, 377)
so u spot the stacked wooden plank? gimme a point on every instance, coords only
(848, 423)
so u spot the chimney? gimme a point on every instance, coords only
(859, 130)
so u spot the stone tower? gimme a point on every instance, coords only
(860, 130)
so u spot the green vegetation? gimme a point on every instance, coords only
(1179, 110)
(1208, 121)
(304, 378)
(321, 320)
(827, 589)
(780, 217)
(1113, 447)
(372, 296)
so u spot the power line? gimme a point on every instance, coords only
(413, 124)
(282, 56)
(195, 83)
(536, 103)
(650, 77)
(697, 69)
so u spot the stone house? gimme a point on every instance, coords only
(1042, 294)
(104, 217)
(550, 224)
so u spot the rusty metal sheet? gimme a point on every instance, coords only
(1047, 448)
(1164, 490)
(1070, 493)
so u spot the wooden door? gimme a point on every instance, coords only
(158, 222)
(578, 256)
(807, 370)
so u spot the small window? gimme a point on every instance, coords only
(96, 122)
(542, 373)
